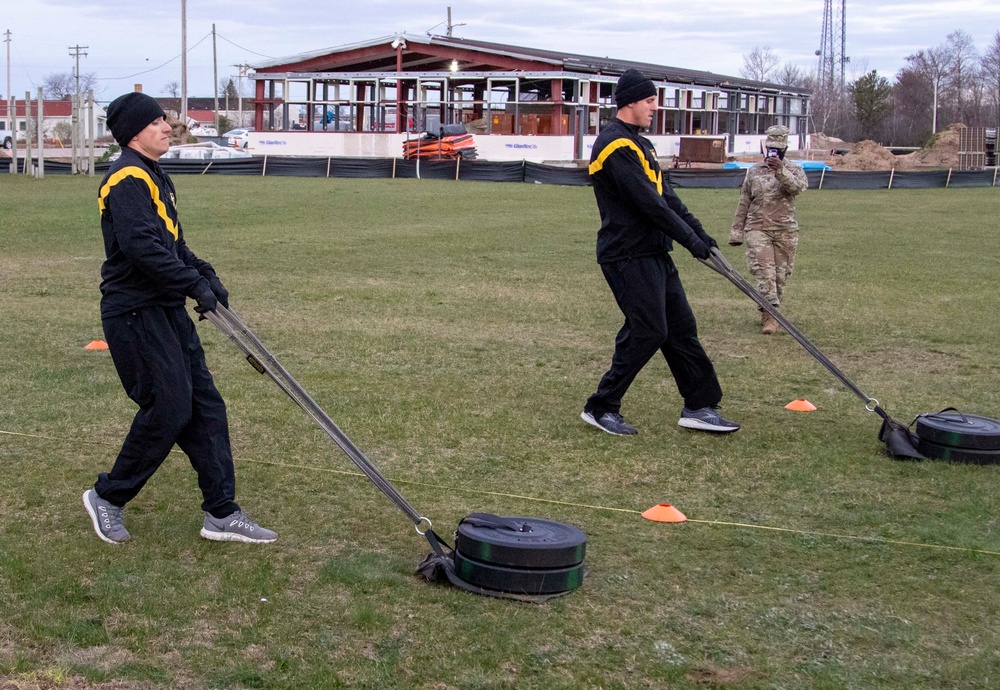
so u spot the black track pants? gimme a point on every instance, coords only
(657, 317)
(161, 365)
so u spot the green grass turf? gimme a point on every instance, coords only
(453, 331)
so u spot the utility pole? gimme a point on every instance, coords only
(451, 26)
(27, 133)
(215, 80)
(76, 52)
(13, 145)
(11, 115)
(184, 64)
(90, 132)
(7, 41)
(239, 90)
(40, 170)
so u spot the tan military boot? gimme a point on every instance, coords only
(768, 324)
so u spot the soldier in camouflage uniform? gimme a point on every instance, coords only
(765, 219)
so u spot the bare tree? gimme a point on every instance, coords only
(962, 74)
(791, 75)
(173, 89)
(62, 85)
(936, 63)
(912, 94)
(990, 64)
(759, 64)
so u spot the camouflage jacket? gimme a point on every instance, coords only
(767, 200)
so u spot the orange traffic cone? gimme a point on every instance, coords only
(800, 405)
(96, 345)
(664, 512)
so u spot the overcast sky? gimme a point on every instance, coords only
(132, 42)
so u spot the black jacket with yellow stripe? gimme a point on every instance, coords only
(148, 263)
(640, 213)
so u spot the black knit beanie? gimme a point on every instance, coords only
(129, 114)
(633, 86)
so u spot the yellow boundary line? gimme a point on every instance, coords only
(535, 499)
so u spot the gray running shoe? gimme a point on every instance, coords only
(236, 527)
(610, 422)
(107, 518)
(706, 419)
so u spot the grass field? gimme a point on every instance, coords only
(453, 331)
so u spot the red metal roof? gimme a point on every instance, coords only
(201, 115)
(418, 53)
(49, 108)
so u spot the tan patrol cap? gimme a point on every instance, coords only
(777, 137)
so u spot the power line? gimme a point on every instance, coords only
(24, 66)
(270, 57)
(153, 69)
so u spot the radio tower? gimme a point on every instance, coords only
(831, 52)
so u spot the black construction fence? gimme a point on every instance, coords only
(535, 173)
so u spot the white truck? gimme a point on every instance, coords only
(6, 138)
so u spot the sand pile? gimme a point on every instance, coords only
(179, 133)
(819, 140)
(943, 151)
(867, 155)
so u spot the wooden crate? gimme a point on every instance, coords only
(703, 149)
(502, 123)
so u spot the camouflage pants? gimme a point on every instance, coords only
(771, 258)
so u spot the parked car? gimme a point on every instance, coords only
(6, 138)
(205, 132)
(238, 137)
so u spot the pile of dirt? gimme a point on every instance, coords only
(867, 155)
(819, 140)
(179, 133)
(942, 152)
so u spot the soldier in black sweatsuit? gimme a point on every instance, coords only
(641, 217)
(155, 347)
(148, 273)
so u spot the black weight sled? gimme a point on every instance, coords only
(956, 437)
(526, 559)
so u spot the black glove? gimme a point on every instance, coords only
(206, 301)
(220, 292)
(700, 250)
(709, 240)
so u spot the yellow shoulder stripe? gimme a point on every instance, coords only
(154, 192)
(654, 176)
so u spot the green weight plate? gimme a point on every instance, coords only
(518, 580)
(957, 430)
(969, 455)
(537, 543)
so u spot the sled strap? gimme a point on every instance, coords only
(490, 521)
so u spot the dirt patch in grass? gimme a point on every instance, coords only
(716, 677)
(104, 657)
(57, 681)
